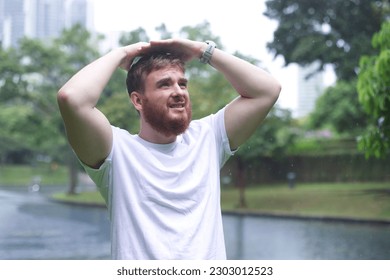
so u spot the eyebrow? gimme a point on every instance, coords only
(169, 79)
(183, 80)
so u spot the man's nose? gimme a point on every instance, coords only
(178, 90)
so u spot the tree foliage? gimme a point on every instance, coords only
(134, 36)
(12, 84)
(30, 78)
(374, 94)
(46, 67)
(338, 109)
(273, 138)
(328, 31)
(12, 90)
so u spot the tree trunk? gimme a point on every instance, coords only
(241, 182)
(73, 172)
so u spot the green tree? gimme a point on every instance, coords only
(338, 109)
(164, 33)
(12, 90)
(30, 113)
(27, 112)
(328, 31)
(272, 139)
(12, 84)
(18, 124)
(374, 95)
(134, 36)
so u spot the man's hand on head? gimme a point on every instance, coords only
(132, 51)
(185, 48)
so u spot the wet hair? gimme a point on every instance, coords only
(142, 66)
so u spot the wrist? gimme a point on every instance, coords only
(207, 52)
(123, 56)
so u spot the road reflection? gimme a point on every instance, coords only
(33, 227)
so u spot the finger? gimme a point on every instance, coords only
(143, 48)
(161, 42)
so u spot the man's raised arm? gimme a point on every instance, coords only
(258, 92)
(88, 130)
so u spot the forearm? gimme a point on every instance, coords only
(258, 92)
(248, 80)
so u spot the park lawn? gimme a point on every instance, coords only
(346, 200)
(338, 200)
(23, 175)
(83, 198)
(369, 201)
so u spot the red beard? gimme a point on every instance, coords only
(160, 119)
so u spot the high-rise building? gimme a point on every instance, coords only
(12, 21)
(310, 87)
(77, 13)
(39, 18)
(50, 18)
(1, 18)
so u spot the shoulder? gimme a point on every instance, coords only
(212, 125)
(120, 133)
(123, 140)
(213, 120)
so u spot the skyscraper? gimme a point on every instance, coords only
(50, 18)
(77, 12)
(12, 21)
(2, 19)
(310, 87)
(39, 18)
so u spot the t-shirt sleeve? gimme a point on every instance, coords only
(217, 121)
(102, 175)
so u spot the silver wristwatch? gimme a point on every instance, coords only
(206, 56)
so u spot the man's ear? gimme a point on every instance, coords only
(136, 99)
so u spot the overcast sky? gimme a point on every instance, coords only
(241, 26)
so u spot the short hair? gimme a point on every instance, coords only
(144, 65)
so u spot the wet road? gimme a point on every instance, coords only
(33, 227)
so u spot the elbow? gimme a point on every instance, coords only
(63, 98)
(277, 90)
(66, 97)
(274, 91)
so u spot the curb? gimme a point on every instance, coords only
(255, 213)
(76, 203)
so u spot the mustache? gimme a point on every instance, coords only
(179, 100)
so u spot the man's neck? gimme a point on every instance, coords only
(155, 137)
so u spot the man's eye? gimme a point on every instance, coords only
(164, 85)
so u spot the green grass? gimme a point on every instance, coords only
(346, 200)
(21, 175)
(369, 201)
(86, 198)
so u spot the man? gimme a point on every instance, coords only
(162, 186)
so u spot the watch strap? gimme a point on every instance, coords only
(207, 54)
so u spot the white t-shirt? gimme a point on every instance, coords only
(164, 200)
